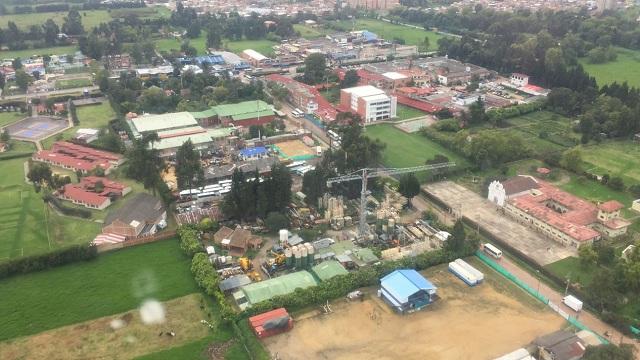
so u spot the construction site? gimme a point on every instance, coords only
(493, 319)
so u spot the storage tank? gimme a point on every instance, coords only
(284, 236)
(303, 256)
(297, 259)
(288, 257)
(392, 223)
(310, 254)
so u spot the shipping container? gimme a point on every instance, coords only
(271, 323)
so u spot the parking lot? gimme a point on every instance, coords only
(484, 213)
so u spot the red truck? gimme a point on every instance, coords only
(271, 323)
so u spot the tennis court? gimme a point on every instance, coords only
(36, 127)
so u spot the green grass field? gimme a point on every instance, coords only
(594, 191)
(7, 118)
(27, 226)
(616, 158)
(23, 54)
(90, 116)
(309, 32)
(115, 282)
(570, 268)
(405, 150)
(262, 46)
(73, 83)
(411, 36)
(625, 68)
(404, 112)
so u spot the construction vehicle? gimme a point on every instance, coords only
(363, 175)
(245, 264)
(254, 276)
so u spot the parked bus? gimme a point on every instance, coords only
(297, 113)
(224, 182)
(492, 250)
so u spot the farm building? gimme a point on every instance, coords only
(328, 269)
(233, 283)
(142, 215)
(93, 192)
(369, 102)
(406, 290)
(238, 241)
(265, 290)
(564, 345)
(561, 216)
(78, 158)
(244, 113)
(271, 323)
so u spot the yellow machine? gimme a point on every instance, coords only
(245, 263)
(254, 276)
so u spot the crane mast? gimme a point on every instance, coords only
(369, 173)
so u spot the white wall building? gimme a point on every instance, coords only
(371, 103)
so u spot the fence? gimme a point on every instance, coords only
(536, 294)
(138, 241)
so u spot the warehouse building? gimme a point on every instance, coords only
(286, 284)
(328, 269)
(246, 113)
(406, 291)
(255, 58)
(371, 103)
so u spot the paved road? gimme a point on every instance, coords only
(50, 93)
(587, 318)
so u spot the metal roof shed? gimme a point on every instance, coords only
(282, 285)
(328, 269)
(406, 290)
(234, 282)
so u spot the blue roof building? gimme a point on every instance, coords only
(369, 36)
(406, 290)
(253, 153)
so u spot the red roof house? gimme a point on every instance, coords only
(271, 323)
(78, 158)
(84, 193)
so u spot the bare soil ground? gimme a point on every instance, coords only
(96, 339)
(294, 148)
(477, 323)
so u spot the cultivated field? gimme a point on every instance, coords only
(625, 68)
(544, 131)
(100, 339)
(27, 226)
(114, 283)
(617, 158)
(484, 322)
(411, 36)
(404, 150)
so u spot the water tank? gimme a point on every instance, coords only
(310, 254)
(392, 223)
(288, 257)
(284, 236)
(303, 256)
(297, 259)
(229, 259)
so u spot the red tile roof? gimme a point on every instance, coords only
(76, 192)
(418, 104)
(110, 186)
(326, 110)
(610, 206)
(77, 157)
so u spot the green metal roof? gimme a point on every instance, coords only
(328, 269)
(155, 123)
(198, 140)
(239, 111)
(205, 114)
(281, 285)
(219, 133)
(251, 115)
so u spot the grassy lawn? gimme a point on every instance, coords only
(405, 150)
(309, 32)
(544, 131)
(97, 339)
(90, 116)
(115, 282)
(594, 191)
(625, 68)
(331, 94)
(404, 112)
(73, 83)
(27, 226)
(388, 31)
(617, 158)
(570, 268)
(56, 50)
(7, 118)
(262, 46)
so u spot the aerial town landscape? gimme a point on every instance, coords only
(320, 179)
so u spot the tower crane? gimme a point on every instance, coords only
(368, 173)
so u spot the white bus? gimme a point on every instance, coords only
(297, 113)
(224, 182)
(206, 196)
(492, 250)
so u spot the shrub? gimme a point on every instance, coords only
(66, 210)
(45, 261)
(189, 242)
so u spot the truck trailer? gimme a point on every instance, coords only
(572, 302)
(271, 323)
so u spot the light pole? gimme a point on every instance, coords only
(538, 274)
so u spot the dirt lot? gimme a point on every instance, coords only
(105, 339)
(477, 323)
(483, 212)
(293, 148)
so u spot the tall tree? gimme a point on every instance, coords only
(214, 40)
(456, 241)
(609, 352)
(409, 187)
(315, 68)
(73, 23)
(23, 79)
(51, 31)
(189, 170)
(144, 163)
(351, 79)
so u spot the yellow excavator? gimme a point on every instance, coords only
(247, 266)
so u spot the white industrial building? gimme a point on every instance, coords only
(371, 103)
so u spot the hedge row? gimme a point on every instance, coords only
(70, 211)
(497, 115)
(15, 155)
(45, 261)
(189, 240)
(207, 278)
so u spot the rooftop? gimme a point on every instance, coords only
(153, 123)
(363, 91)
(250, 152)
(254, 55)
(394, 75)
(610, 206)
(401, 284)
(328, 269)
(142, 207)
(281, 285)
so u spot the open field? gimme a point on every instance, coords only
(625, 68)
(295, 148)
(483, 322)
(26, 53)
(309, 32)
(27, 226)
(262, 46)
(115, 282)
(73, 83)
(90, 18)
(98, 339)
(7, 118)
(617, 158)
(544, 131)
(404, 150)
(594, 191)
(90, 116)
(388, 31)
(404, 112)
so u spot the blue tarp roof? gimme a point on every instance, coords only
(369, 36)
(254, 151)
(401, 284)
(209, 59)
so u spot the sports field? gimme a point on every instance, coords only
(26, 53)
(388, 31)
(90, 116)
(262, 46)
(73, 83)
(479, 315)
(617, 158)
(27, 226)
(113, 283)
(625, 68)
(404, 150)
